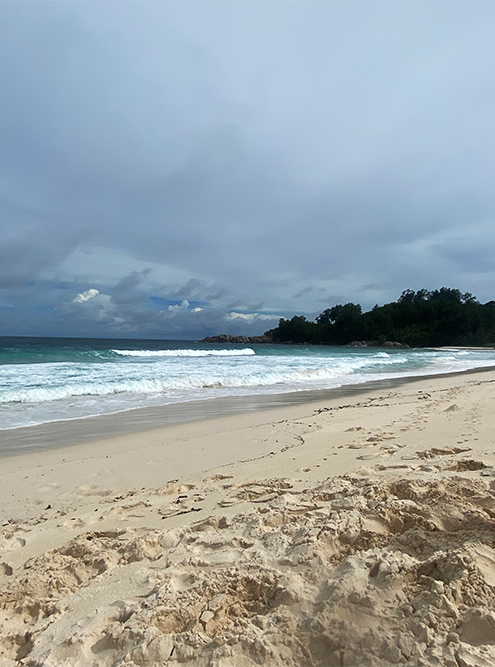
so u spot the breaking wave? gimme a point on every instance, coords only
(44, 382)
(246, 352)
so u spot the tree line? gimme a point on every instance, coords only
(418, 319)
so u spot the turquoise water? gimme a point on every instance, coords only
(50, 379)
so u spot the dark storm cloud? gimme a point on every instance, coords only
(25, 252)
(188, 168)
(130, 281)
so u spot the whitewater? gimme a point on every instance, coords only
(50, 379)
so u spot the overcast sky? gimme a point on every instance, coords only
(179, 169)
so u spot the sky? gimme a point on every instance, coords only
(183, 169)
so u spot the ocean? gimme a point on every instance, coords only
(46, 380)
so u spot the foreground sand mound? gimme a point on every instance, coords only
(353, 572)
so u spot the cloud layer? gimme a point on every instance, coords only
(183, 169)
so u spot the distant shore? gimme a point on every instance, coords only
(264, 339)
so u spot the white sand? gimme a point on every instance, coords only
(354, 532)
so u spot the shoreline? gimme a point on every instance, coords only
(352, 530)
(81, 430)
(143, 457)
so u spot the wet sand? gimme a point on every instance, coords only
(53, 435)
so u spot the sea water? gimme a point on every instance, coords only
(51, 379)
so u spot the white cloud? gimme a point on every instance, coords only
(98, 306)
(249, 317)
(184, 305)
(86, 296)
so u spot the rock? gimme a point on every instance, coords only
(374, 343)
(244, 340)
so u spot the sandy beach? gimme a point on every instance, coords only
(353, 531)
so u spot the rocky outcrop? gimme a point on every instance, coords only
(245, 340)
(374, 343)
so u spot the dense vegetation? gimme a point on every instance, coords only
(419, 319)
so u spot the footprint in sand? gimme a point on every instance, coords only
(218, 478)
(6, 569)
(174, 487)
(182, 505)
(93, 490)
(46, 488)
(11, 543)
(262, 491)
(73, 522)
(466, 465)
(226, 502)
(130, 509)
(442, 451)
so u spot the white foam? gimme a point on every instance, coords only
(185, 353)
(162, 385)
(36, 393)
